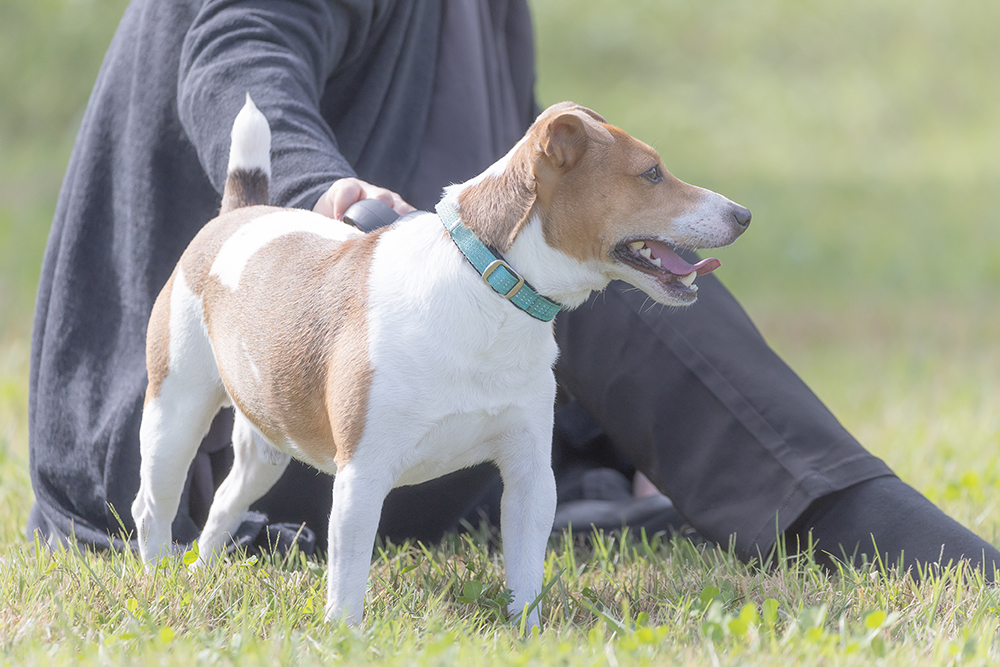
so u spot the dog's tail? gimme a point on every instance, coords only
(249, 160)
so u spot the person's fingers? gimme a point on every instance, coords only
(400, 206)
(381, 194)
(338, 198)
(346, 192)
(389, 198)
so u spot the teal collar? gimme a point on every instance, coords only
(496, 272)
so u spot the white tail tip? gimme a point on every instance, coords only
(251, 140)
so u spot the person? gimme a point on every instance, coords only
(395, 100)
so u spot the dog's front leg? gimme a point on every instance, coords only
(358, 494)
(527, 508)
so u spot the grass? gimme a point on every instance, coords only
(612, 600)
(626, 599)
(864, 137)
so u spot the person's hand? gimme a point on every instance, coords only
(346, 192)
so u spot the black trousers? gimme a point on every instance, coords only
(693, 397)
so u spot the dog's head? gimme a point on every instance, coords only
(604, 199)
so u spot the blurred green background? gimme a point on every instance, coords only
(863, 134)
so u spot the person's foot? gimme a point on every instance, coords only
(884, 512)
(642, 487)
(608, 503)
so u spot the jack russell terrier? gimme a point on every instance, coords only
(398, 356)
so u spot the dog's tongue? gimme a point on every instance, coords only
(706, 265)
(675, 264)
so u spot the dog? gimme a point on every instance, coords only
(397, 356)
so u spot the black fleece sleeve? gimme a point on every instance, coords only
(282, 53)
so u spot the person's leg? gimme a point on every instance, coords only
(702, 406)
(886, 520)
(594, 482)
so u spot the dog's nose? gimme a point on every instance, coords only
(742, 216)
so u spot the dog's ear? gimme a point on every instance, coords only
(497, 207)
(568, 130)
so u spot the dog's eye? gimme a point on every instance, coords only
(653, 174)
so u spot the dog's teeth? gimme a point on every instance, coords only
(637, 245)
(646, 252)
(689, 278)
(656, 262)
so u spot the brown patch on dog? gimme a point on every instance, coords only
(158, 341)
(567, 130)
(197, 260)
(244, 188)
(291, 342)
(497, 207)
(349, 373)
(591, 206)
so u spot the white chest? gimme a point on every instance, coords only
(455, 366)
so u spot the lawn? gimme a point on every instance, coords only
(865, 138)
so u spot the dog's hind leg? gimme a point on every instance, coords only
(173, 425)
(184, 395)
(249, 479)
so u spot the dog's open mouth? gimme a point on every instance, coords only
(658, 259)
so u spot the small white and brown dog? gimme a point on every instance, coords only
(388, 358)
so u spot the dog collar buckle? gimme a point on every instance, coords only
(492, 267)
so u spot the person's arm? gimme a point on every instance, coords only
(282, 53)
